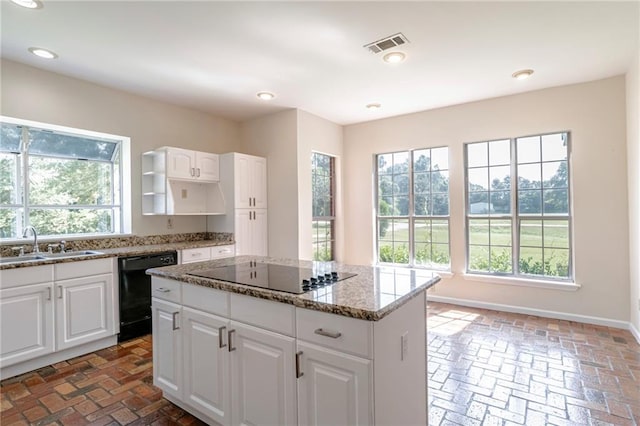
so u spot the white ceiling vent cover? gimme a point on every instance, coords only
(387, 43)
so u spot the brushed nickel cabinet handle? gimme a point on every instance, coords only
(299, 372)
(163, 290)
(249, 201)
(231, 333)
(59, 292)
(198, 172)
(332, 334)
(173, 319)
(48, 293)
(221, 331)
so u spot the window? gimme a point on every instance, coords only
(59, 181)
(412, 209)
(323, 190)
(518, 218)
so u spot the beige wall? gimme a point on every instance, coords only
(593, 112)
(316, 134)
(274, 136)
(33, 94)
(633, 162)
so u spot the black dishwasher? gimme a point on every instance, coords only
(135, 292)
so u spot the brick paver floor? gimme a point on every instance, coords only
(485, 368)
(496, 368)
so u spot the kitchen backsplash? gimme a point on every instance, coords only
(106, 243)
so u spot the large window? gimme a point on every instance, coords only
(518, 210)
(323, 190)
(61, 183)
(412, 210)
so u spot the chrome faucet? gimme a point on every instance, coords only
(35, 238)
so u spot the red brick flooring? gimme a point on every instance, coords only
(496, 368)
(485, 368)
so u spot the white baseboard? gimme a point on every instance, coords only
(537, 312)
(635, 332)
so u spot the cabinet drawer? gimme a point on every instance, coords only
(206, 299)
(83, 268)
(165, 289)
(218, 252)
(262, 313)
(27, 275)
(335, 331)
(196, 254)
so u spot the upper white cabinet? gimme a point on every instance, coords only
(244, 183)
(178, 181)
(192, 165)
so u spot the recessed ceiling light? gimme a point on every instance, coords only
(373, 107)
(43, 53)
(30, 4)
(394, 57)
(265, 96)
(522, 74)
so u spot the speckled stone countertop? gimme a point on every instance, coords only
(370, 295)
(120, 251)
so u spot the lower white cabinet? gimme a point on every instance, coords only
(26, 318)
(167, 347)
(333, 387)
(263, 382)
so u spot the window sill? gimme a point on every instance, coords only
(523, 282)
(52, 239)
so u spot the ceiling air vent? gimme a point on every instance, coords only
(387, 43)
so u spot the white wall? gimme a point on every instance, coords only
(274, 136)
(33, 94)
(593, 112)
(633, 163)
(316, 134)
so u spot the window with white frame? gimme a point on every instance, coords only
(518, 210)
(323, 191)
(61, 182)
(412, 208)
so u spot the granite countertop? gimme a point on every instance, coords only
(118, 251)
(370, 295)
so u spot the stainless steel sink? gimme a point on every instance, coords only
(78, 253)
(22, 259)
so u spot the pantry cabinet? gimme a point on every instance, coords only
(178, 181)
(244, 183)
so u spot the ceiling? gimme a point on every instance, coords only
(215, 56)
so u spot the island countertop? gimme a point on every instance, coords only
(372, 294)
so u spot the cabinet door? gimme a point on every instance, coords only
(167, 347)
(259, 182)
(206, 364)
(242, 181)
(84, 310)
(207, 167)
(242, 232)
(26, 321)
(181, 164)
(335, 388)
(262, 377)
(259, 240)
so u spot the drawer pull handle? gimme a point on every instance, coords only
(173, 319)
(332, 334)
(48, 293)
(231, 348)
(163, 290)
(299, 372)
(221, 331)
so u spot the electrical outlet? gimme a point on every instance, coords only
(169, 223)
(404, 342)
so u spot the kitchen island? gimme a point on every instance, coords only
(347, 352)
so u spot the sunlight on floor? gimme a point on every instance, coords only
(450, 322)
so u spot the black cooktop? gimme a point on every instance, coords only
(289, 279)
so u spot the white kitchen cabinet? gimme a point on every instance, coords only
(178, 181)
(263, 382)
(200, 254)
(26, 315)
(192, 165)
(251, 232)
(167, 347)
(244, 183)
(206, 364)
(334, 388)
(84, 310)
